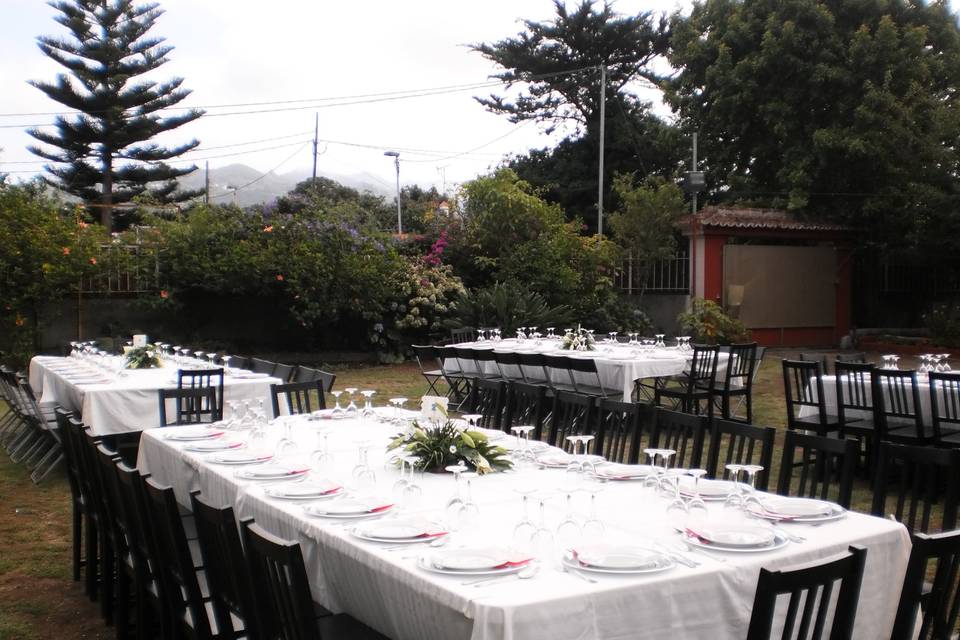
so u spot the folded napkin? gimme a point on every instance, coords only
(380, 508)
(510, 564)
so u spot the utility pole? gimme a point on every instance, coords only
(693, 168)
(396, 160)
(206, 180)
(316, 131)
(603, 122)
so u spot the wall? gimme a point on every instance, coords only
(663, 310)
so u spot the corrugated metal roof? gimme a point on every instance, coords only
(750, 218)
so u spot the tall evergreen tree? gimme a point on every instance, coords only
(105, 153)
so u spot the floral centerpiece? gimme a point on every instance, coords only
(444, 444)
(578, 340)
(145, 357)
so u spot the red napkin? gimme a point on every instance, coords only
(296, 472)
(379, 509)
(773, 514)
(693, 534)
(216, 434)
(235, 445)
(438, 534)
(333, 490)
(509, 564)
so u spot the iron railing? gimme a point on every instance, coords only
(670, 275)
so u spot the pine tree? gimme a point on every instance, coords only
(104, 154)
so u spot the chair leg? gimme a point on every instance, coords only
(90, 555)
(77, 542)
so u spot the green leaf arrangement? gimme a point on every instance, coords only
(145, 357)
(578, 340)
(445, 444)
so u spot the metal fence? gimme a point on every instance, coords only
(671, 275)
(125, 269)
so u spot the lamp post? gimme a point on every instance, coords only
(396, 160)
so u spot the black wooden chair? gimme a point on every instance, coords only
(488, 399)
(281, 589)
(91, 515)
(855, 410)
(937, 601)
(463, 334)
(817, 467)
(737, 382)
(77, 501)
(526, 406)
(816, 357)
(855, 357)
(190, 405)
(624, 429)
(896, 397)
(284, 372)
(733, 442)
(458, 381)
(534, 368)
(945, 408)
(430, 367)
(306, 374)
(186, 604)
(695, 386)
(205, 379)
(259, 365)
(585, 377)
(225, 568)
(508, 364)
(572, 414)
(684, 433)
(485, 361)
(300, 397)
(918, 483)
(810, 589)
(99, 505)
(803, 392)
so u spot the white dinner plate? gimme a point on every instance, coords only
(398, 531)
(209, 446)
(779, 541)
(274, 472)
(618, 560)
(425, 563)
(780, 509)
(620, 356)
(349, 508)
(735, 535)
(189, 435)
(560, 460)
(612, 471)
(710, 490)
(475, 561)
(240, 457)
(308, 490)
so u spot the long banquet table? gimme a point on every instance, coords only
(386, 589)
(110, 403)
(830, 399)
(618, 365)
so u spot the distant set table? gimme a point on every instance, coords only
(619, 365)
(830, 399)
(389, 589)
(110, 403)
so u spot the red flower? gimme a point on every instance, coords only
(164, 294)
(93, 261)
(268, 228)
(66, 251)
(279, 277)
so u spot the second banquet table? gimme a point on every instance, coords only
(390, 590)
(112, 403)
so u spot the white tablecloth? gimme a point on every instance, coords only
(111, 404)
(386, 589)
(830, 400)
(618, 366)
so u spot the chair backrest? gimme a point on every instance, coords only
(526, 405)
(205, 379)
(463, 334)
(586, 366)
(572, 414)
(741, 364)
(810, 589)
(306, 374)
(534, 369)
(914, 479)
(259, 365)
(70, 453)
(300, 397)
(427, 357)
(896, 398)
(488, 399)
(623, 429)
(560, 368)
(817, 357)
(942, 603)
(803, 387)
(854, 389)
(508, 363)
(738, 443)
(280, 585)
(284, 372)
(190, 405)
(682, 432)
(703, 366)
(944, 402)
(180, 578)
(858, 357)
(231, 592)
(818, 467)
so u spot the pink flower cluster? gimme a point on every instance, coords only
(433, 258)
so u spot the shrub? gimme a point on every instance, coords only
(943, 322)
(618, 314)
(508, 306)
(707, 323)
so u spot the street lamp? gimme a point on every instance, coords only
(396, 160)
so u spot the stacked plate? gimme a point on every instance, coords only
(308, 490)
(274, 472)
(193, 433)
(710, 490)
(778, 508)
(617, 560)
(399, 531)
(474, 562)
(209, 446)
(240, 457)
(613, 471)
(735, 537)
(349, 508)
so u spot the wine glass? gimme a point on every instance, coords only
(363, 475)
(397, 408)
(455, 503)
(352, 409)
(697, 507)
(660, 343)
(524, 531)
(734, 499)
(473, 420)
(750, 501)
(946, 365)
(469, 511)
(368, 411)
(677, 509)
(413, 493)
(322, 458)
(542, 541)
(652, 481)
(338, 411)
(569, 531)
(401, 483)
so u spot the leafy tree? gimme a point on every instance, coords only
(324, 197)
(105, 154)
(644, 224)
(559, 62)
(848, 110)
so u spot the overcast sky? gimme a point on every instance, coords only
(251, 51)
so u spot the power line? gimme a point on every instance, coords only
(485, 144)
(255, 180)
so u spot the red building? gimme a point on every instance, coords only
(788, 279)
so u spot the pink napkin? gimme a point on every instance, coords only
(379, 509)
(509, 564)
